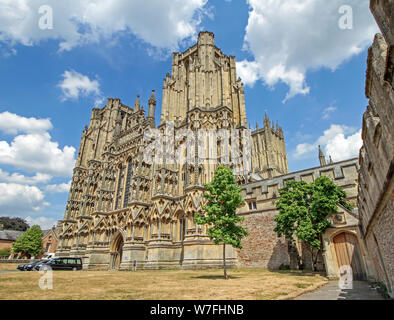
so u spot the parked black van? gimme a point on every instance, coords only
(65, 264)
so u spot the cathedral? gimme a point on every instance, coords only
(131, 205)
(136, 187)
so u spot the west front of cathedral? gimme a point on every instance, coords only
(126, 212)
(133, 197)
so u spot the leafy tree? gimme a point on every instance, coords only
(303, 211)
(5, 253)
(223, 198)
(30, 242)
(17, 224)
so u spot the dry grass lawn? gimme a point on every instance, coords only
(8, 266)
(244, 284)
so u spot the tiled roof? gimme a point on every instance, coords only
(45, 232)
(10, 234)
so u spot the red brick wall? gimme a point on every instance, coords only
(5, 244)
(49, 238)
(262, 248)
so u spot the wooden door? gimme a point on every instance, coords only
(348, 254)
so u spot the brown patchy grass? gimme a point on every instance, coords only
(8, 266)
(244, 284)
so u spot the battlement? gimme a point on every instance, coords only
(206, 38)
(343, 173)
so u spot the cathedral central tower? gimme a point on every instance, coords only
(203, 77)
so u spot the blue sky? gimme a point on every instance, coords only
(292, 50)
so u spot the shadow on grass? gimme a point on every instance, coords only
(216, 277)
(299, 272)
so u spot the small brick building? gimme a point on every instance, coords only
(49, 241)
(8, 237)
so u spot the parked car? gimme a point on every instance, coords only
(38, 265)
(21, 267)
(65, 264)
(49, 256)
(29, 266)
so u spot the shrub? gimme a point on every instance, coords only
(284, 267)
(5, 253)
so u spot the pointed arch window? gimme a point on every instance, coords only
(128, 181)
(119, 189)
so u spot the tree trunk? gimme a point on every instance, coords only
(224, 261)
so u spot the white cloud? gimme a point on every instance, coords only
(21, 179)
(327, 112)
(341, 148)
(335, 143)
(288, 38)
(75, 85)
(17, 199)
(160, 23)
(36, 152)
(248, 71)
(58, 188)
(44, 222)
(33, 152)
(12, 124)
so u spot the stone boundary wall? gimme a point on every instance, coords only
(262, 248)
(20, 261)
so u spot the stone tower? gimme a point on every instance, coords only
(269, 157)
(202, 77)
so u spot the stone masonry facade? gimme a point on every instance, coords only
(376, 189)
(124, 209)
(262, 248)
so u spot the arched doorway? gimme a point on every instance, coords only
(348, 254)
(116, 252)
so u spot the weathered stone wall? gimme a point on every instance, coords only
(20, 261)
(384, 233)
(383, 11)
(377, 154)
(380, 244)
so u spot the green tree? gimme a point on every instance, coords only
(303, 211)
(30, 242)
(17, 224)
(223, 198)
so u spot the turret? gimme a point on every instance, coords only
(322, 158)
(118, 124)
(266, 122)
(137, 105)
(152, 105)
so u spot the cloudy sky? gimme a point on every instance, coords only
(302, 61)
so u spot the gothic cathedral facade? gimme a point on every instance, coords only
(126, 212)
